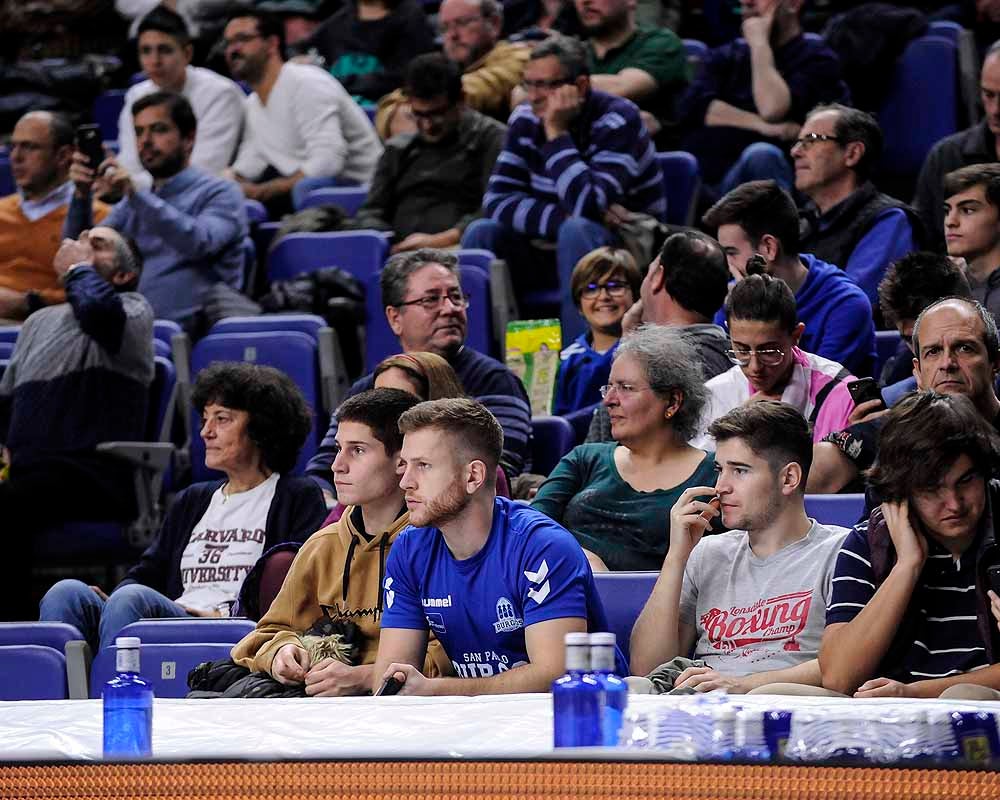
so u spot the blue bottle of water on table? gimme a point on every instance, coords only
(576, 698)
(128, 706)
(615, 690)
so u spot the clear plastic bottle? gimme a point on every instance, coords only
(128, 706)
(615, 691)
(576, 698)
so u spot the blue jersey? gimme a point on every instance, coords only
(530, 570)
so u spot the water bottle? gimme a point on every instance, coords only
(576, 698)
(128, 706)
(615, 692)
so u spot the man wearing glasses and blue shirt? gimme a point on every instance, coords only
(765, 332)
(426, 309)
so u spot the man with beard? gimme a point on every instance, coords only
(499, 584)
(429, 185)
(749, 603)
(644, 65)
(303, 130)
(426, 309)
(190, 226)
(752, 95)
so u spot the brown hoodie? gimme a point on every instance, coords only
(339, 572)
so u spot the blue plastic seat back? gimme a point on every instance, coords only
(164, 330)
(292, 352)
(9, 333)
(107, 108)
(681, 179)
(189, 630)
(361, 253)
(696, 52)
(256, 211)
(309, 324)
(910, 123)
(476, 257)
(349, 198)
(47, 634)
(165, 666)
(32, 672)
(886, 345)
(551, 439)
(7, 185)
(836, 509)
(381, 342)
(580, 420)
(623, 595)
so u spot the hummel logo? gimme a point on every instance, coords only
(539, 594)
(390, 595)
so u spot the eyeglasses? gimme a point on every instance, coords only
(459, 22)
(240, 38)
(432, 302)
(613, 288)
(770, 357)
(809, 139)
(622, 389)
(530, 86)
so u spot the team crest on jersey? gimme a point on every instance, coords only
(507, 619)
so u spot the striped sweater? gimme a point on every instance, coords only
(606, 158)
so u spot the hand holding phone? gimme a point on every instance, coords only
(864, 389)
(88, 142)
(389, 686)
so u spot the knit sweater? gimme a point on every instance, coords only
(606, 158)
(337, 573)
(27, 248)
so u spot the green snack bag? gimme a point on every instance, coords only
(533, 355)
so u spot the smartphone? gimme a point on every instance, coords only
(865, 389)
(389, 686)
(88, 142)
(993, 573)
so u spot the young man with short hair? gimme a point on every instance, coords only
(770, 365)
(750, 602)
(759, 219)
(972, 228)
(910, 614)
(498, 583)
(337, 573)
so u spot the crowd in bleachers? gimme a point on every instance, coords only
(775, 279)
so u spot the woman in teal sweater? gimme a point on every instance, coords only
(616, 497)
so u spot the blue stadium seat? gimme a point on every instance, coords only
(836, 509)
(696, 52)
(551, 439)
(886, 345)
(60, 637)
(623, 595)
(293, 352)
(9, 333)
(911, 125)
(6, 350)
(359, 252)
(945, 28)
(580, 420)
(380, 342)
(165, 666)
(681, 179)
(331, 358)
(189, 630)
(256, 211)
(107, 108)
(32, 672)
(349, 198)
(7, 185)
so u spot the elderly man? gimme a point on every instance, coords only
(190, 226)
(847, 221)
(80, 375)
(31, 220)
(491, 69)
(426, 309)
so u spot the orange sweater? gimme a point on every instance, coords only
(27, 248)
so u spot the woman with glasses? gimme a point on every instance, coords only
(615, 497)
(604, 284)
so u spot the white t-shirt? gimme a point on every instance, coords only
(224, 546)
(755, 614)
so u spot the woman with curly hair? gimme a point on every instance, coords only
(254, 423)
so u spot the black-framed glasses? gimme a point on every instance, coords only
(240, 38)
(555, 83)
(432, 302)
(768, 357)
(613, 288)
(809, 139)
